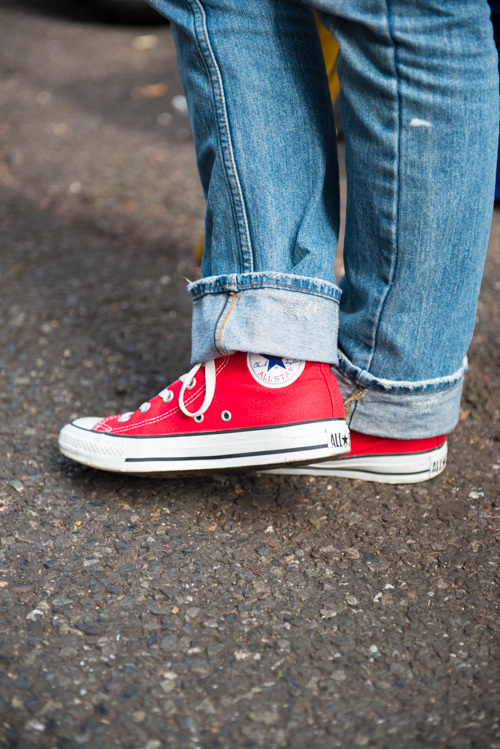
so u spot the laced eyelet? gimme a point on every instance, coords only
(226, 415)
(125, 417)
(188, 381)
(167, 396)
(145, 407)
(198, 418)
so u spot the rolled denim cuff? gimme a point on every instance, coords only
(270, 313)
(400, 409)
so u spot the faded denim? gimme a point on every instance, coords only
(420, 108)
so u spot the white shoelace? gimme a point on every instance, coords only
(188, 383)
(188, 378)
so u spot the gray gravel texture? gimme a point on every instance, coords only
(231, 611)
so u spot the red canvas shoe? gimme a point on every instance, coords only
(235, 412)
(388, 461)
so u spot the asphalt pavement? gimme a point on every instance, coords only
(199, 613)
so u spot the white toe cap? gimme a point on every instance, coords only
(87, 422)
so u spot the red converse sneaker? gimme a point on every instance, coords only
(388, 461)
(240, 411)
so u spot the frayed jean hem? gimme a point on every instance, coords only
(400, 410)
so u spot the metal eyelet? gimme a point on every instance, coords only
(226, 415)
(125, 417)
(167, 397)
(145, 407)
(198, 418)
(191, 384)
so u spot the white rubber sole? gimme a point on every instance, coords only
(207, 452)
(404, 468)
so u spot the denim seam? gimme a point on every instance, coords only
(222, 289)
(219, 339)
(396, 198)
(224, 133)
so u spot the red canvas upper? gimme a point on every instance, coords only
(366, 444)
(313, 395)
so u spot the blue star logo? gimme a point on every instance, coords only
(274, 361)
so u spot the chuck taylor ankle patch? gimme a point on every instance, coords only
(274, 371)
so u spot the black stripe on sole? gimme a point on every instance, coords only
(231, 455)
(377, 473)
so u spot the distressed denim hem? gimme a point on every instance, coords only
(237, 282)
(403, 414)
(301, 323)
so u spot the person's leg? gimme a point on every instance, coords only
(258, 98)
(265, 316)
(420, 109)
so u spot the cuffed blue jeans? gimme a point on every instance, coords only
(420, 109)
